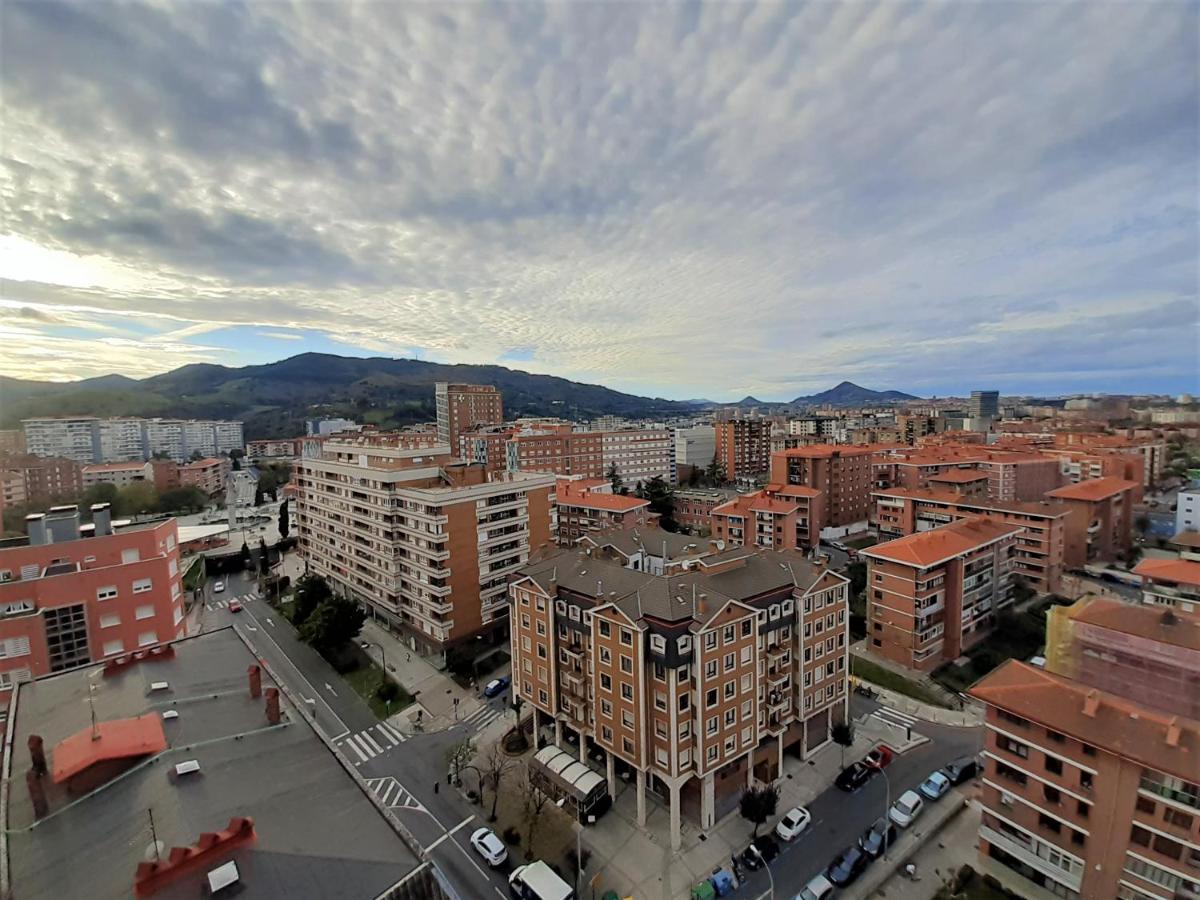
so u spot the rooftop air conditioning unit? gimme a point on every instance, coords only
(187, 767)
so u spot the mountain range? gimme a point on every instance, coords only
(274, 399)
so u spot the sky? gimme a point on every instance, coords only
(680, 200)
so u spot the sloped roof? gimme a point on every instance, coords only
(1093, 489)
(1183, 571)
(115, 739)
(960, 476)
(928, 548)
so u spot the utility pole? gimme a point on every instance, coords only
(153, 835)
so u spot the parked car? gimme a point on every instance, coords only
(490, 847)
(218, 586)
(905, 810)
(496, 686)
(853, 777)
(793, 824)
(960, 770)
(879, 757)
(847, 866)
(818, 888)
(767, 849)
(877, 838)
(235, 606)
(935, 786)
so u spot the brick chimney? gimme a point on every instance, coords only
(255, 675)
(273, 705)
(37, 794)
(37, 754)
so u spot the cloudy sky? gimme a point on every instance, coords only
(702, 200)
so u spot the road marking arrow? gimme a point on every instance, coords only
(329, 688)
(269, 622)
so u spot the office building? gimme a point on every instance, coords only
(638, 455)
(423, 541)
(984, 405)
(695, 448)
(73, 593)
(841, 474)
(585, 505)
(693, 684)
(461, 407)
(933, 594)
(743, 448)
(1101, 523)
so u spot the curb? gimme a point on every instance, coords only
(878, 877)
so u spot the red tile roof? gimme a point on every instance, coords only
(960, 476)
(797, 490)
(1153, 622)
(581, 495)
(115, 739)
(772, 505)
(1093, 489)
(113, 467)
(1181, 571)
(928, 548)
(825, 451)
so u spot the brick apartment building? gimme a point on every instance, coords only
(1011, 474)
(1172, 584)
(1087, 793)
(283, 448)
(487, 446)
(557, 450)
(207, 474)
(1152, 450)
(1101, 525)
(71, 594)
(119, 475)
(461, 407)
(27, 480)
(694, 506)
(1040, 546)
(743, 448)
(933, 594)
(586, 505)
(692, 684)
(842, 475)
(12, 442)
(424, 542)
(779, 517)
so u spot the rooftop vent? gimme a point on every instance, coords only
(187, 767)
(159, 685)
(171, 714)
(222, 877)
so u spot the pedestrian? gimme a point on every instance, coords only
(436, 785)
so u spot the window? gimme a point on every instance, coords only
(1140, 836)
(605, 629)
(658, 643)
(106, 593)
(730, 689)
(746, 683)
(144, 612)
(14, 647)
(710, 697)
(1014, 747)
(142, 585)
(627, 691)
(711, 754)
(130, 555)
(1049, 824)
(1167, 847)
(660, 672)
(747, 627)
(1146, 805)
(729, 636)
(542, 698)
(712, 725)
(1051, 794)
(1054, 765)
(710, 669)
(1177, 817)
(606, 656)
(730, 661)
(606, 733)
(746, 651)
(627, 719)
(541, 628)
(1011, 719)
(109, 621)
(112, 648)
(684, 702)
(660, 700)
(730, 745)
(626, 637)
(606, 708)
(626, 663)
(605, 682)
(1056, 737)
(730, 717)
(747, 708)
(146, 638)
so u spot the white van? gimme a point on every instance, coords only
(537, 881)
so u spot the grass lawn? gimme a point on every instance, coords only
(365, 680)
(861, 542)
(876, 674)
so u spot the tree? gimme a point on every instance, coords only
(662, 501)
(758, 804)
(714, 474)
(843, 735)
(235, 463)
(284, 522)
(458, 755)
(182, 499)
(614, 478)
(332, 624)
(496, 765)
(100, 493)
(264, 560)
(137, 498)
(536, 799)
(311, 592)
(857, 573)
(1142, 524)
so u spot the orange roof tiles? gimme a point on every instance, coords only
(1187, 539)
(825, 451)
(115, 739)
(928, 548)
(113, 467)
(579, 493)
(1153, 622)
(1182, 571)
(1117, 725)
(797, 490)
(1047, 508)
(960, 476)
(1094, 489)
(772, 505)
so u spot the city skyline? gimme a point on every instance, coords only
(708, 201)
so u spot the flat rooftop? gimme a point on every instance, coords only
(317, 832)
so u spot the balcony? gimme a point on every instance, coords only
(1071, 877)
(776, 677)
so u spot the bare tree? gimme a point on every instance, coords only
(536, 799)
(496, 764)
(458, 755)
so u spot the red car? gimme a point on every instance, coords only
(879, 757)
(235, 606)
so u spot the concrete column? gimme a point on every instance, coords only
(582, 747)
(610, 764)
(641, 797)
(779, 744)
(708, 801)
(558, 733)
(676, 836)
(750, 768)
(537, 725)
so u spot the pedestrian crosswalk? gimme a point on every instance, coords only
(482, 717)
(392, 794)
(371, 742)
(894, 717)
(223, 602)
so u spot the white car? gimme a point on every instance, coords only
(905, 810)
(816, 889)
(489, 846)
(793, 824)
(218, 586)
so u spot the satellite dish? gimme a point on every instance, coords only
(155, 851)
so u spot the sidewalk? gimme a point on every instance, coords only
(936, 860)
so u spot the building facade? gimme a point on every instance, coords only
(1187, 511)
(694, 685)
(843, 475)
(461, 407)
(88, 440)
(422, 541)
(556, 450)
(933, 594)
(40, 481)
(984, 405)
(583, 506)
(117, 474)
(285, 448)
(206, 474)
(1100, 526)
(780, 517)
(743, 448)
(639, 454)
(695, 448)
(1172, 584)
(694, 506)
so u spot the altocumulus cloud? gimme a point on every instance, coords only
(702, 199)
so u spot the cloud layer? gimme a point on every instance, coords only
(690, 200)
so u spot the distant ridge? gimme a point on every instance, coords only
(850, 394)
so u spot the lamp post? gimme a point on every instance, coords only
(561, 804)
(382, 660)
(766, 868)
(887, 805)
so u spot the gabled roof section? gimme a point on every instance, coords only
(1093, 489)
(929, 548)
(1181, 571)
(115, 739)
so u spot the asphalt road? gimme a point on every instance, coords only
(408, 775)
(839, 818)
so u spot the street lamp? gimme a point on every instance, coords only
(382, 660)
(766, 868)
(561, 804)
(887, 805)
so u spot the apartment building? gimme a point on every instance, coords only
(76, 439)
(1040, 548)
(556, 450)
(71, 594)
(1171, 583)
(586, 505)
(461, 407)
(1101, 522)
(695, 448)
(120, 474)
(1152, 450)
(422, 541)
(487, 446)
(1086, 793)
(39, 481)
(86, 439)
(639, 454)
(326, 427)
(933, 594)
(780, 517)
(694, 506)
(1012, 474)
(694, 685)
(984, 405)
(743, 448)
(283, 448)
(1081, 465)
(1187, 511)
(914, 427)
(207, 474)
(12, 442)
(842, 474)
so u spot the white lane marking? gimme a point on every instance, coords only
(387, 792)
(357, 752)
(362, 745)
(366, 736)
(387, 736)
(272, 624)
(465, 821)
(328, 686)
